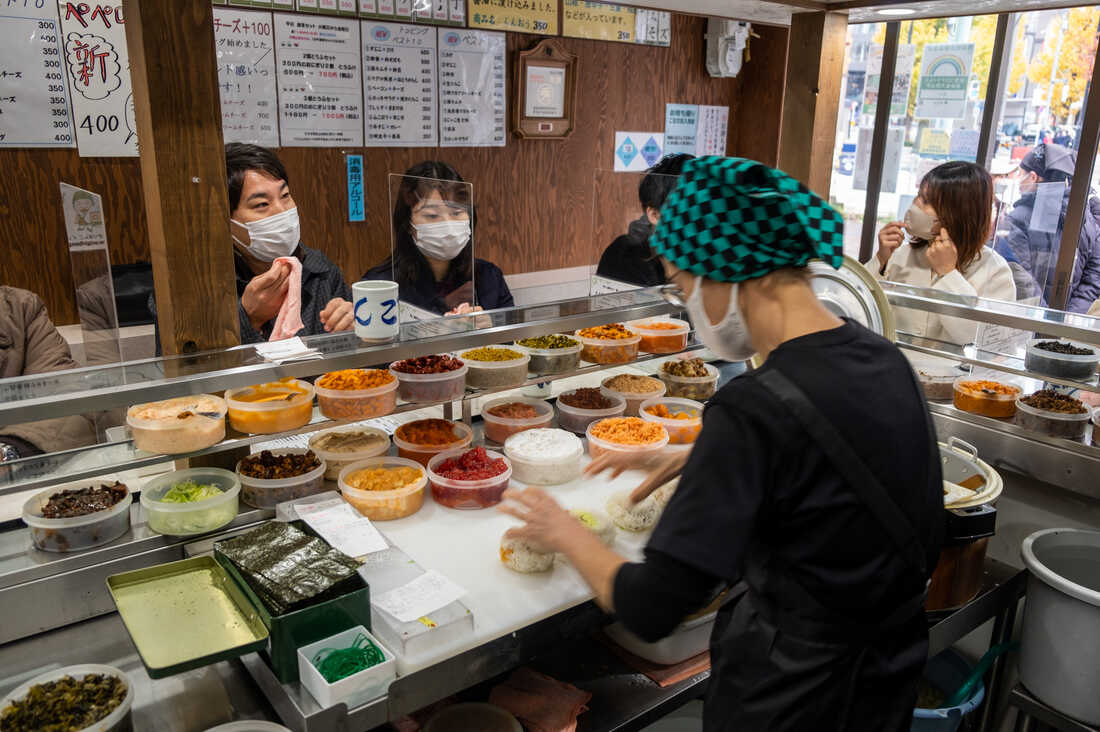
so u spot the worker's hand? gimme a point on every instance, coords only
(889, 239)
(660, 468)
(943, 257)
(338, 315)
(264, 294)
(464, 308)
(462, 294)
(545, 522)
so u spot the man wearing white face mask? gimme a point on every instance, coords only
(814, 487)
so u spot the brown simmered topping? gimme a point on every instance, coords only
(1053, 401)
(268, 466)
(83, 501)
(586, 399)
(1064, 348)
(692, 368)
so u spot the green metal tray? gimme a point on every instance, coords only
(187, 614)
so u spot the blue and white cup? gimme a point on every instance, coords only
(376, 310)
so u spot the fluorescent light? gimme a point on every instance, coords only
(896, 11)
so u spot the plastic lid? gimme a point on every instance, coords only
(382, 462)
(358, 393)
(334, 455)
(304, 393)
(200, 405)
(617, 406)
(519, 446)
(1094, 357)
(642, 326)
(467, 484)
(1050, 414)
(543, 411)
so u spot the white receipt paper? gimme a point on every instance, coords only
(425, 594)
(341, 526)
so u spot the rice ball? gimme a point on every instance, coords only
(521, 555)
(637, 517)
(597, 524)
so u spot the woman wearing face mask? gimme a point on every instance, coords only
(941, 244)
(814, 487)
(432, 261)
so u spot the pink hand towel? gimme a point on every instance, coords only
(289, 320)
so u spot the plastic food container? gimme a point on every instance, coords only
(1049, 422)
(597, 446)
(470, 494)
(987, 398)
(79, 532)
(355, 690)
(495, 374)
(179, 425)
(499, 429)
(1063, 365)
(691, 387)
(268, 408)
(1096, 428)
(338, 459)
(680, 431)
(341, 404)
(937, 379)
(184, 519)
(424, 453)
(442, 387)
(119, 720)
(385, 505)
(661, 340)
(607, 351)
(544, 456)
(688, 640)
(577, 420)
(633, 400)
(263, 493)
(553, 360)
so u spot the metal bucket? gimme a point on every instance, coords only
(1060, 642)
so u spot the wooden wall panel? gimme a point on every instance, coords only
(534, 198)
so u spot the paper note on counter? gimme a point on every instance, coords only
(288, 349)
(425, 594)
(343, 527)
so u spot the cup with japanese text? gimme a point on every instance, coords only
(376, 311)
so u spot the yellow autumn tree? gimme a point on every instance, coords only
(1064, 65)
(1018, 71)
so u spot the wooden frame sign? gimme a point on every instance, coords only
(545, 92)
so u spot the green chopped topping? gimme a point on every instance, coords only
(587, 519)
(190, 492)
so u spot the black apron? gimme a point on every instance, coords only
(781, 661)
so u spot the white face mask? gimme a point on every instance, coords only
(442, 240)
(273, 237)
(919, 224)
(727, 339)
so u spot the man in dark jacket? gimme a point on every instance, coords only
(1031, 246)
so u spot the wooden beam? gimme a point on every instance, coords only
(811, 99)
(173, 67)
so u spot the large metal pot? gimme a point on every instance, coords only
(1060, 642)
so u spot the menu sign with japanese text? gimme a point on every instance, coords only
(245, 46)
(523, 16)
(320, 89)
(399, 84)
(598, 21)
(653, 27)
(472, 101)
(98, 68)
(34, 99)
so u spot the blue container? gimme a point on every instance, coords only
(947, 671)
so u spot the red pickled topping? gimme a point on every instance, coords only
(471, 465)
(428, 365)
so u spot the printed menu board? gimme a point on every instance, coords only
(524, 16)
(399, 84)
(472, 102)
(34, 99)
(320, 88)
(598, 21)
(245, 47)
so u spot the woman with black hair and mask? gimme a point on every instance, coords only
(432, 260)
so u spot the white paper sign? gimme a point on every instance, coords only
(545, 91)
(97, 64)
(34, 98)
(637, 151)
(1047, 211)
(425, 594)
(891, 163)
(710, 138)
(320, 89)
(399, 84)
(472, 101)
(245, 46)
(944, 80)
(343, 527)
(84, 223)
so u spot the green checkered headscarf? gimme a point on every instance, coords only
(731, 219)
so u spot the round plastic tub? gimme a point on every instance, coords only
(661, 339)
(937, 377)
(119, 720)
(441, 387)
(1048, 422)
(283, 407)
(607, 351)
(179, 425)
(633, 399)
(78, 532)
(349, 404)
(337, 460)
(544, 456)
(469, 494)
(680, 431)
(263, 493)
(597, 446)
(577, 420)
(496, 374)
(499, 429)
(1062, 365)
(1096, 428)
(553, 360)
(185, 519)
(464, 437)
(385, 505)
(971, 396)
(690, 387)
